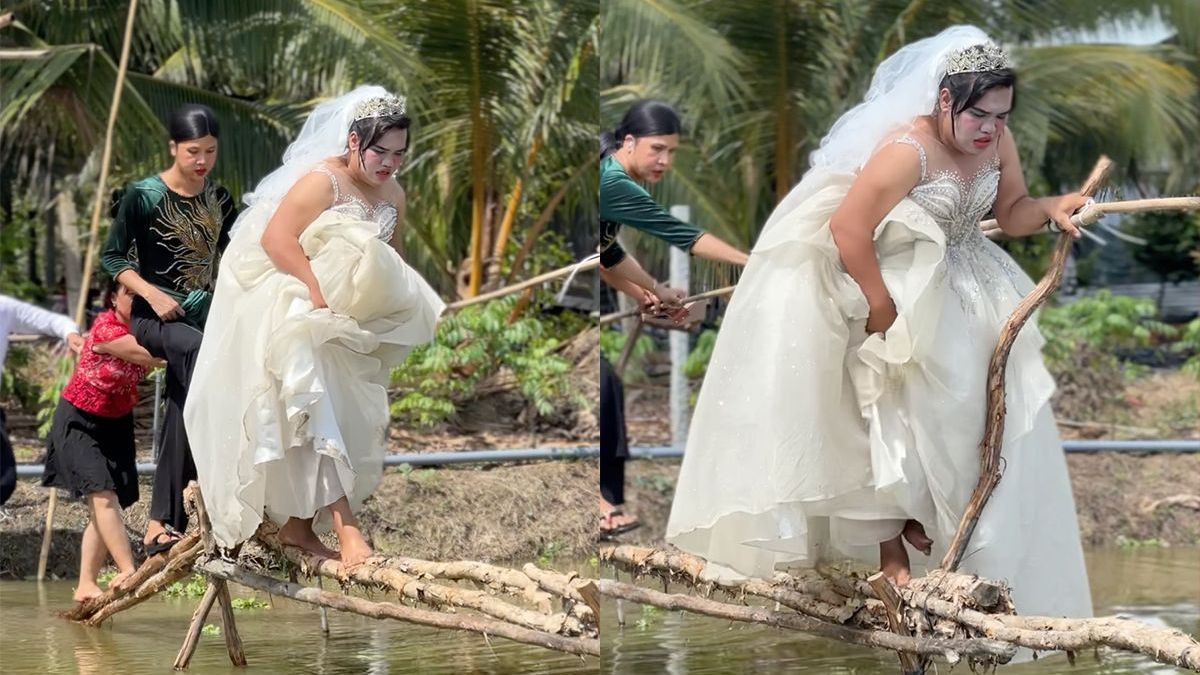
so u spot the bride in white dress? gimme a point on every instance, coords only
(844, 403)
(288, 409)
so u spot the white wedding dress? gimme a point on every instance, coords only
(812, 441)
(288, 407)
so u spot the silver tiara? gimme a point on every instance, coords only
(380, 106)
(977, 59)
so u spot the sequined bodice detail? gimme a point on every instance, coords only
(956, 203)
(383, 214)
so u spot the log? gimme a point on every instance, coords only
(909, 663)
(192, 639)
(233, 640)
(950, 649)
(176, 569)
(502, 578)
(375, 573)
(152, 566)
(993, 434)
(570, 587)
(384, 610)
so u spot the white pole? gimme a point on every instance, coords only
(680, 273)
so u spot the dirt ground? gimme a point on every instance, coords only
(534, 511)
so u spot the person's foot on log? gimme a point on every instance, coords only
(298, 532)
(893, 561)
(87, 590)
(914, 532)
(117, 583)
(355, 549)
(159, 538)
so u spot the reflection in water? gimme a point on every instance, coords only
(1158, 586)
(286, 637)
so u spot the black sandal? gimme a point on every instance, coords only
(156, 546)
(606, 533)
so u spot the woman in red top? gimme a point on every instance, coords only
(90, 452)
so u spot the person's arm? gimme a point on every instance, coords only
(116, 261)
(400, 201)
(626, 286)
(1020, 215)
(629, 271)
(28, 318)
(127, 348)
(627, 203)
(311, 195)
(886, 178)
(710, 247)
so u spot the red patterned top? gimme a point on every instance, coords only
(103, 384)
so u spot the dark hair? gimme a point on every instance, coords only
(644, 118)
(371, 129)
(192, 121)
(967, 88)
(108, 298)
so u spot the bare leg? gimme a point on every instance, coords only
(914, 532)
(298, 532)
(91, 559)
(893, 559)
(355, 549)
(106, 518)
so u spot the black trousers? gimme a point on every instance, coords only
(178, 342)
(614, 448)
(8, 462)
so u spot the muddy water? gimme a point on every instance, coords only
(284, 637)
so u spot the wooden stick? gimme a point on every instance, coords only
(909, 663)
(373, 572)
(952, 650)
(81, 306)
(617, 316)
(175, 570)
(513, 581)
(630, 345)
(152, 565)
(385, 610)
(993, 434)
(1091, 214)
(233, 640)
(582, 266)
(192, 639)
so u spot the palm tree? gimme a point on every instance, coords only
(804, 63)
(503, 94)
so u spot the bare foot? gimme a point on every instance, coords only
(299, 533)
(914, 532)
(87, 590)
(355, 549)
(118, 582)
(893, 560)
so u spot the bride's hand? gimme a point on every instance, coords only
(1060, 209)
(881, 317)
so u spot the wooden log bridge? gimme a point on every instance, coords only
(532, 606)
(944, 614)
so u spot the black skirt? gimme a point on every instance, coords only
(87, 453)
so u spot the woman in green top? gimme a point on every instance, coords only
(164, 244)
(640, 150)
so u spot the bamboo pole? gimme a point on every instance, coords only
(993, 434)
(582, 266)
(81, 305)
(1094, 212)
(222, 569)
(233, 640)
(617, 316)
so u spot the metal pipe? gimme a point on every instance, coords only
(662, 452)
(422, 459)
